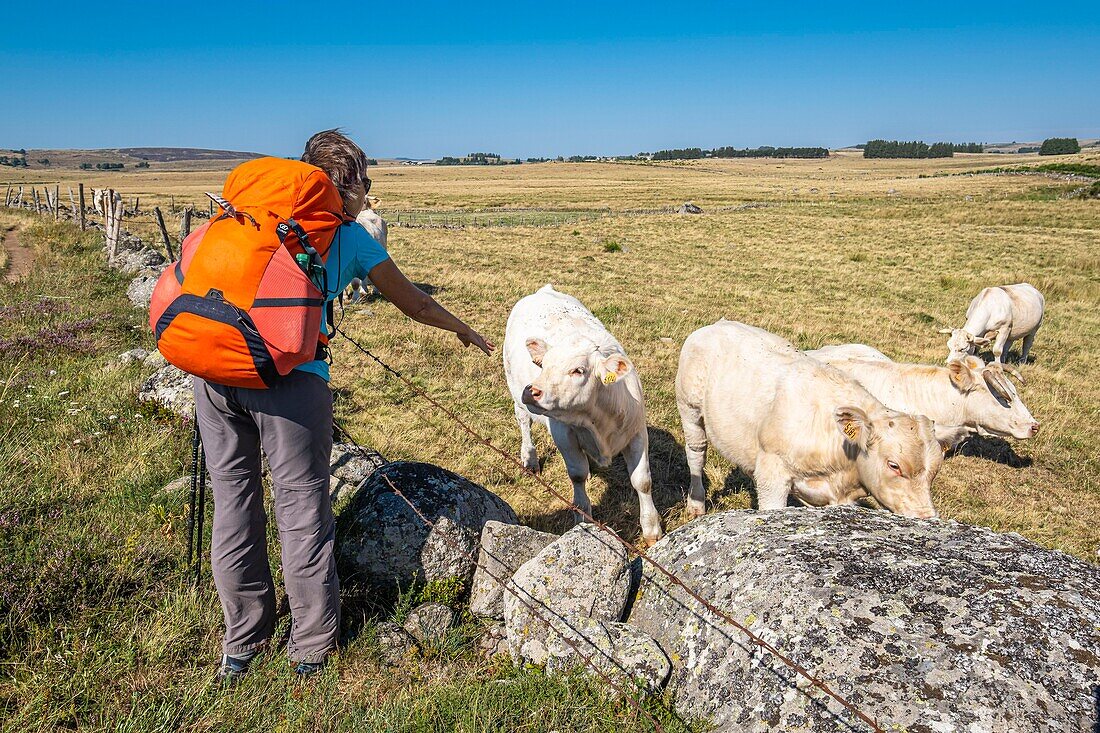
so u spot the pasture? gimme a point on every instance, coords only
(819, 251)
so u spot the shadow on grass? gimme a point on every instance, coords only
(997, 450)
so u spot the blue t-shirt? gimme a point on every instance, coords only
(354, 253)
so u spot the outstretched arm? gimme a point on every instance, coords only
(421, 307)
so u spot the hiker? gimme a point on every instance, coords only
(289, 416)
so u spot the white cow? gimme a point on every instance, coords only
(376, 226)
(847, 351)
(966, 397)
(566, 371)
(1013, 311)
(798, 427)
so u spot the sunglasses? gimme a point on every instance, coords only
(366, 185)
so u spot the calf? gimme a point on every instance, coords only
(798, 427)
(964, 398)
(1013, 311)
(566, 371)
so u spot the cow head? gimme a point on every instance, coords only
(897, 456)
(962, 343)
(573, 376)
(992, 403)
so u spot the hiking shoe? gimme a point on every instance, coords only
(232, 669)
(305, 670)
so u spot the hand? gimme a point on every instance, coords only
(471, 336)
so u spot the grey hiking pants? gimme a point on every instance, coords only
(293, 423)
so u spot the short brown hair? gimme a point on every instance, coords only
(335, 154)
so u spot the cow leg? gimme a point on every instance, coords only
(695, 447)
(1000, 345)
(773, 482)
(576, 464)
(356, 290)
(527, 452)
(1026, 348)
(637, 465)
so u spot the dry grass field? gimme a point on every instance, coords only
(822, 251)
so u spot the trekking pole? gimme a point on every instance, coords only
(202, 512)
(196, 443)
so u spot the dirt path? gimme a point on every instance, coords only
(20, 258)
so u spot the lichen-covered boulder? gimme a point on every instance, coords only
(171, 389)
(349, 467)
(429, 621)
(384, 546)
(140, 289)
(927, 626)
(504, 548)
(584, 573)
(619, 650)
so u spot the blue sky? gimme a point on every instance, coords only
(526, 79)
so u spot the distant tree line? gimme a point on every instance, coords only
(13, 161)
(916, 149)
(475, 159)
(764, 151)
(106, 166)
(1060, 146)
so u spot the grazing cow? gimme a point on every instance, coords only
(798, 427)
(847, 351)
(376, 226)
(1013, 311)
(566, 371)
(964, 398)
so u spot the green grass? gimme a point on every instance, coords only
(98, 628)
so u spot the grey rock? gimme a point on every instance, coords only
(133, 355)
(504, 548)
(383, 544)
(429, 621)
(155, 360)
(171, 389)
(140, 290)
(926, 625)
(395, 646)
(132, 259)
(350, 465)
(493, 641)
(688, 208)
(619, 650)
(582, 574)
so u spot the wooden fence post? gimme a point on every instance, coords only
(211, 208)
(7, 195)
(83, 222)
(49, 199)
(19, 200)
(164, 232)
(37, 205)
(185, 225)
(56, 202)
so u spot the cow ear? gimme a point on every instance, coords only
(537, 348)
(961, 378)
(615, 367)
(854, 425)
(981, 340)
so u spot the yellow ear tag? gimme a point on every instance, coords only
(609, 378)
(851, 430)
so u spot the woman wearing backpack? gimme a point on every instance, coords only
(289, 416)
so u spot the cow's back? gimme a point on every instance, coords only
(1027, 305)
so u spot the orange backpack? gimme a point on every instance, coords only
(243, 304)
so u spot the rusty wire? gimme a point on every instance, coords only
(753, 638)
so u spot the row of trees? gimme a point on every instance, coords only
(106, 166)
(764, 151)
(916, 149)
(13, 161)
(475, 159)
(1060, 146)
